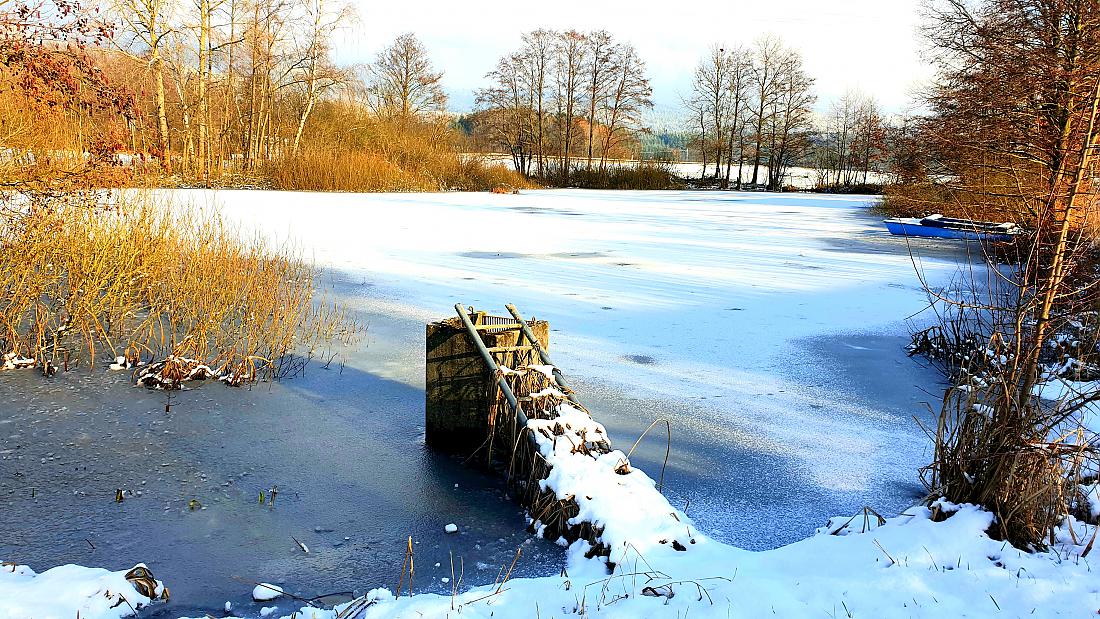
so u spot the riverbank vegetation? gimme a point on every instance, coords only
(212, 95)
(90, 279)
(1013, 136)
(93, 277)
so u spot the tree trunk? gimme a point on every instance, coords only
(204, 77)
(162, 112)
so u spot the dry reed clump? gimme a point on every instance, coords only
(996, 443)
(1025, 464)
(365, 171)
(540, 396)
(88, 274)
(390, 155)
(960, 349)
(643, 175)
(922, 199)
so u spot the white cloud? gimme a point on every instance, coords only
(872, 45)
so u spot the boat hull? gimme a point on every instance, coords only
(915, 228)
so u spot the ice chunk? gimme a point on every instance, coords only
(264, 592)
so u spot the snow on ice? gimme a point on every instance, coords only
(264, 592)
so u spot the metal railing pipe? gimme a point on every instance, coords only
(558, 378)
(493, 367)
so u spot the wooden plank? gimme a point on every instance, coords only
(497, 327)
(510, 348)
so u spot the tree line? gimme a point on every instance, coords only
(565, 97)
(206, 86)
(752, 117)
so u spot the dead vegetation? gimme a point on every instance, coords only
(1012, 135)
(997, 442)
(651, 175)
(89, 277)
(370, 171)
(540, 397)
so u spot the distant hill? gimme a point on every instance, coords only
(664, 118)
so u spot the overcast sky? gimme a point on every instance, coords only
(871, 45)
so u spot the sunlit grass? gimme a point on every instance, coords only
(86, 276)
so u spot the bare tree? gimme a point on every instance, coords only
(629, 97)
(316, 73)
(571, 51)
(737, 107)
(791, 120)
(538, 56)
(267, 40)
(403, 81)
(601, 57)
(711, 88)
(764, 79)
(852, 139)
(507, 109)
(697, 107)
(561, 86)
(144, 27)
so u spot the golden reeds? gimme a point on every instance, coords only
(391, 155)
(85, 274)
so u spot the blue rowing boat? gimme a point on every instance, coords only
(938, 226)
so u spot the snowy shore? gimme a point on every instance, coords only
(69, 591)
(910, 566)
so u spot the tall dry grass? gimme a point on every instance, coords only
(997, 443)
(646, 175)
(381, 154)
(89, 276)
(1025, 463)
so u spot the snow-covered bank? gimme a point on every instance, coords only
(930, 561)
(72, 591)
(911, 566)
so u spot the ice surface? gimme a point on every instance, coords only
(768, 327)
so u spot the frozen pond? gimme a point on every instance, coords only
(344, 449)
(767, 328)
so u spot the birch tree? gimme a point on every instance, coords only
(316, 72)
(146, 24)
